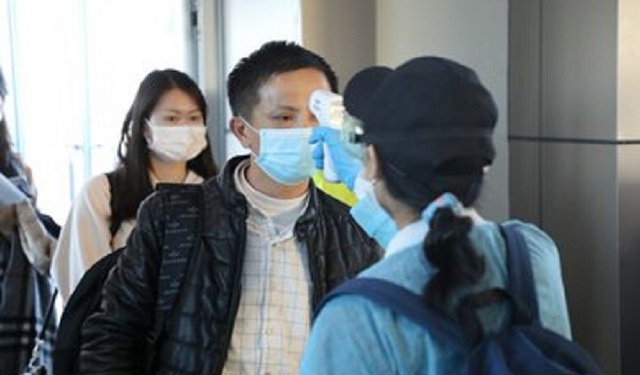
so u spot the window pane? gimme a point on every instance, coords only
(76, 67)
(125, 40)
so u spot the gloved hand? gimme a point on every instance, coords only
(368, 213)
(345, 160)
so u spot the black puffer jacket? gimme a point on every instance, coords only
(196, 339)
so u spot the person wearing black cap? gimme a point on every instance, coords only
(427, 127)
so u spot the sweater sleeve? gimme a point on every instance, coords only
(85, 237)
(114, 339)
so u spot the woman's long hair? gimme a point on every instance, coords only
(7, 155)
(132, 183)
(6, 152)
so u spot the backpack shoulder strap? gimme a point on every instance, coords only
(182, 218)
(520, 285)
(519, 289)
(114, 224)
(401, 301)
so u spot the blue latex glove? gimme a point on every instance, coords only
(345, 160)
(374, 220)
(368, 213)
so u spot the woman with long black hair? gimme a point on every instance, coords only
(162, 139)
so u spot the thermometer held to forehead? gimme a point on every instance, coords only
(328, 108)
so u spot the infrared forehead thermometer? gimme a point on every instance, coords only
(328, 108)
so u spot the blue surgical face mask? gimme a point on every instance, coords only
(368, 213)
(285, 153)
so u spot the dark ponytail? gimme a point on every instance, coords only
(447, 245)
(448, 248)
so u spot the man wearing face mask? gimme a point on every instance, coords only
(272, 244)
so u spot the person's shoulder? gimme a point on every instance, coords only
(330, 202)
(335, 210)
(212, 183)
(408, 268)
(490, 231)
(95, 181)
(175, 193)
(534, 236)
(338, 191)
(541, 246)
(96, 188)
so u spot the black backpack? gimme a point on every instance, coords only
(524, 347)
(182, 234)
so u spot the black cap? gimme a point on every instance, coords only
(431, 100)
(357, 93)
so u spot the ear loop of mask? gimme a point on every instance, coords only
(256, 131)
(249, 125)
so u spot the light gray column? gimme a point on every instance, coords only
(575, 159)
(343, 32)
(355, 34)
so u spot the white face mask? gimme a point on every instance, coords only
(176, 142)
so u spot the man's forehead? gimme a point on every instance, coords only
(280, 87)
(178, 109)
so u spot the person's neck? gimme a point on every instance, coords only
(266, 185)
(404, 217)
(166, 171)
(401, 213)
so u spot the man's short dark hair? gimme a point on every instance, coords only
(275, 57)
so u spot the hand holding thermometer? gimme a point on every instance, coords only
(329, 110)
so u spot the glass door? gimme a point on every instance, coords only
(75, 66)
